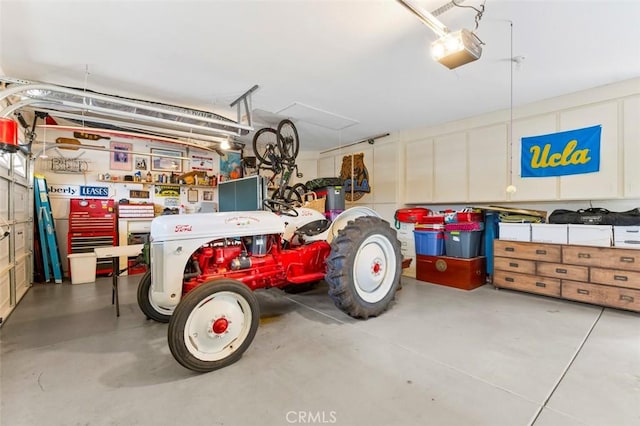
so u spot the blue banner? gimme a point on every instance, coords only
(94, 191)
(559, 154)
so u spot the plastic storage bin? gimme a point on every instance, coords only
(429, 243)
(83, 267)
(334, 195)
(464, 244)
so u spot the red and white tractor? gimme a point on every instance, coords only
(204, 268)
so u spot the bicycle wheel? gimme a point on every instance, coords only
(292, 196)
(296, 192)
(263, 141)
(288, 141)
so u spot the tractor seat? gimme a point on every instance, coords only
(313, 228)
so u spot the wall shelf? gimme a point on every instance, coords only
(182, 185)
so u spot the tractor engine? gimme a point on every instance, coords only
(259, 261)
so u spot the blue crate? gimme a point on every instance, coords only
(429, 243)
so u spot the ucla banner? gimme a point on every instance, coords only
(559, 154)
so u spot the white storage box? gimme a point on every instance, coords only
(591, 235)
(407, 247)
(514, 231)
(626, 236)
(549, 233)
(83, 267)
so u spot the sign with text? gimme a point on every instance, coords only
(56, 190)
(559, 154)
(63, 190)
(94, 191)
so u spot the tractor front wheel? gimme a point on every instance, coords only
(150, 309)
(213, 325)
(364, 267)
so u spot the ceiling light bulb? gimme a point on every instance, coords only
(456, 48)
(437, 51)
(511, 189)
(225, 145)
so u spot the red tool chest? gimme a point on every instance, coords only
(92, 223)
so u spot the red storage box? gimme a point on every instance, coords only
(414, 215)
(464, 226)
(468, 217)
(434, 220)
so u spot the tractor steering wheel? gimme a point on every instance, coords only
(282, 207)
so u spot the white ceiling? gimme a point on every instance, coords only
(362, 60)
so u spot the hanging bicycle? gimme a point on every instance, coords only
(276, 151)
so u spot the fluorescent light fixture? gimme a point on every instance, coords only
(456, 48)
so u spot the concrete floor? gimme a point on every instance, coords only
(439, 356)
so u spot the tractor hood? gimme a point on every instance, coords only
(215, 225)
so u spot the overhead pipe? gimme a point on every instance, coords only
(23, 89)
(140, 127)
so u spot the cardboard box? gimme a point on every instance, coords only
(514, 231)
(549, 233)
(626, 236)
(591, 235)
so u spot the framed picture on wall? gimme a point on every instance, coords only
(192, 195)
(141, 163)
(121, 158)
(166, 160)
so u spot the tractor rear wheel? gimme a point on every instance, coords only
(150, 309)
(213, 325)
(364, 267)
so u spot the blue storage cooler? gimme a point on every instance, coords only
(429, 243)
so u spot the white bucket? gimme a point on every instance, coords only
(83, 267)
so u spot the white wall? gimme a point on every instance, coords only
(98, 163)
(383, 162)
(469, 162)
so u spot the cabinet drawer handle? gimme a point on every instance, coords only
(582, 291)
(540, 284)
(561, 270)
(627, 259)
(620, 278)
(541, 252)
(509, 279)
(584, 256)
(509, 249)
(513, 264)
(626, 298)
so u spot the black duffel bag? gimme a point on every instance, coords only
(596, 216)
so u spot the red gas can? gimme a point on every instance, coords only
(8, 135)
